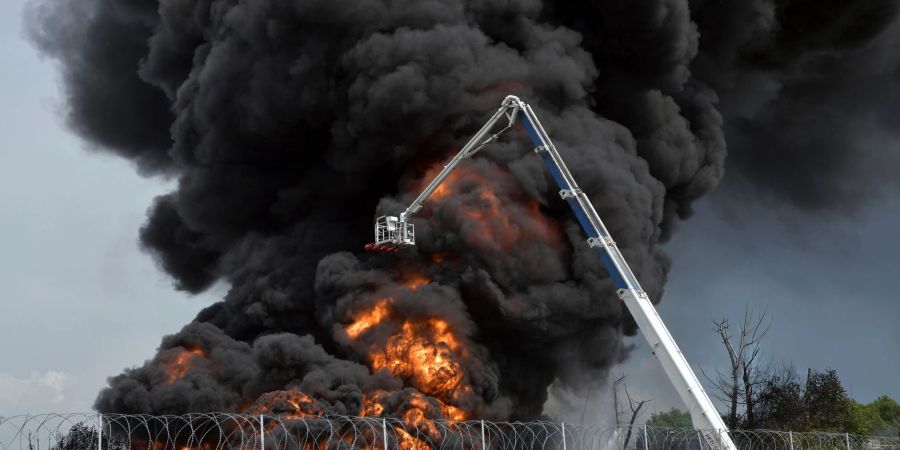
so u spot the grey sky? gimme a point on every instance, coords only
(81, 301)
(829, 285)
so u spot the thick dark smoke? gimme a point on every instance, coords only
(811, 90)
(289, 122)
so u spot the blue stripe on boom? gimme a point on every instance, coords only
(554, 171)
(529, 127)
(582, 218)
(611, 268)
(580, 214)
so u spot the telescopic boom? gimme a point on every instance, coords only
(392, 233)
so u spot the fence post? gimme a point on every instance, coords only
(99, 431)
(483, 441)
(790, 440)
(564, 434)
(847, 440)
(384, 433)
(646, 442)
(262, 433)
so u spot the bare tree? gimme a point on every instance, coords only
(754, 375)
(634, 406)
(737, 385)
(616, 409)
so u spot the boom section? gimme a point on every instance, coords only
(394, 232)
(704, 415)
(479, 140)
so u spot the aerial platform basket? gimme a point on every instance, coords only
(391, 234)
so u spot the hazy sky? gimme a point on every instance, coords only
(829, 285)
(82, 301)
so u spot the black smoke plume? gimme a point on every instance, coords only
(811, 90)
(287, 123)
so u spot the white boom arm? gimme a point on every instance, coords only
(394, 232)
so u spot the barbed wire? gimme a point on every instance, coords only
(224, 431)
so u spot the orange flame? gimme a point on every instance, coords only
(408, 442)
(417, 408)
(370, 318)
(288, 404)
(203, 446)
(416, 281)
(372, 405)
(495, 222)
(438, 258)
(442, 191)
(424, 352)
(176, 368)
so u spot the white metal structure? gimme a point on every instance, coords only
(389, 229)
(396, 232)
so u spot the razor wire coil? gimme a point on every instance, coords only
(225, 431)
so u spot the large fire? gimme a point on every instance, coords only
(288, 404)
(423, 351)
(418, 413)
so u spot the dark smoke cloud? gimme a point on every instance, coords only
(287, 123)
(98, 46)
(811, 91)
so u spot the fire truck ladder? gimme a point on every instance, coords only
(393, 233)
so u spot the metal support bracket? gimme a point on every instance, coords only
(541, 148)
(570, 193)
(625, 293)
(601, 242)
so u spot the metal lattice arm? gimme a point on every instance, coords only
(510, 106)
(392, 232)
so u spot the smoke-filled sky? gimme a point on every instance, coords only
(802, 224)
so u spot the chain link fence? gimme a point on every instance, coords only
(220, 431)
